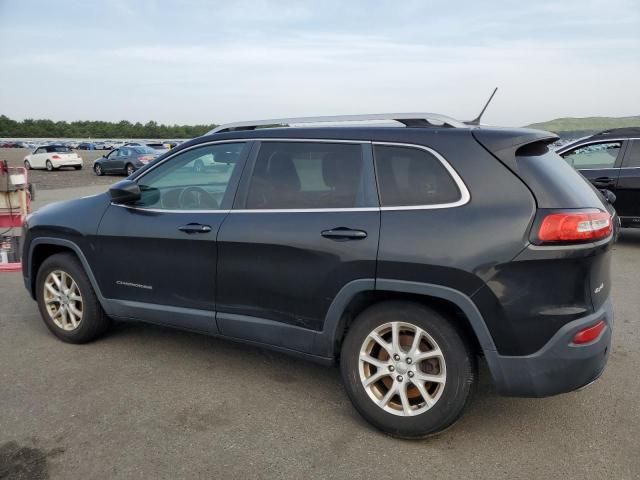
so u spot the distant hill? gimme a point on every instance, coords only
(585, 126)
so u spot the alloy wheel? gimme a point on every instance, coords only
(63, 300)
(402, 368)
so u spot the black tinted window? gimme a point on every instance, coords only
(58, 148)
(307, 175)
(410, 176)
(632, 157)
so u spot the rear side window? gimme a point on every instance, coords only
(410, 176)
(307, 175)
(595, 155)
(632, 157)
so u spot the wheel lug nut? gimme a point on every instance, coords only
(410, 374)
(391, 368)
(399, 378)
(409, 361)
(396, 357)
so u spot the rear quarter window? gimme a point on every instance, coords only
(410, 176)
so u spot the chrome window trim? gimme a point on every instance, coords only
(465, 196)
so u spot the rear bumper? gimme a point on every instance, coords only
(559, 366)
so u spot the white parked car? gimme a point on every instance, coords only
(52, 157)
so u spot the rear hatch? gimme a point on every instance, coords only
(559, 189)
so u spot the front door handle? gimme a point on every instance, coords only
(195, 228)
(343, 233)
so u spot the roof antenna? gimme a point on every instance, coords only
(476, 121)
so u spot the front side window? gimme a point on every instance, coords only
(113, 154)
(196, 179)
(410, 176)
(307, 175)
(595, 155)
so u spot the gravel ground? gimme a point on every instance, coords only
(63, 178)
(149, 402)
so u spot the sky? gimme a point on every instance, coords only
(198, 61)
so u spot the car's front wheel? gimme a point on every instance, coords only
(67, 302)
(407, 369)
(27, 165)
(97, 168)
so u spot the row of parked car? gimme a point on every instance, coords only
(95, 145)
(125, 159)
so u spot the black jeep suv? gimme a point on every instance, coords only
(403, 253)
(611, 161)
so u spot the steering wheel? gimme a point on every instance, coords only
(193, 197)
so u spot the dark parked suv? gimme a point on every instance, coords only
(611, 161)
(403, 253)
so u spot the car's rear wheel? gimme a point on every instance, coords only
(97, 168)
(67, 302)
(406, 369)
(49, 165)
(129, 169)
(27, 165)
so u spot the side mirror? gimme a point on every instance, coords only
(125, 192)
(608, 195)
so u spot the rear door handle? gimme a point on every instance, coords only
(195, 228)
(343, 233)
(603, 181)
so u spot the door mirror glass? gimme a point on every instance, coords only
(125, 192)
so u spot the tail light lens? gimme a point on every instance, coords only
(55, 157)
(587, 335)
(568, 227)
(145, 158)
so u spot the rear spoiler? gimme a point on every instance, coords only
(505, 143)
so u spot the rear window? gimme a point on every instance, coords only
(410, 176)
(144, 150)
(58, 149)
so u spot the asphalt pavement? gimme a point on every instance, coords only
(150, 402)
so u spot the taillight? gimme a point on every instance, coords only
(589, 334)
(55, 157)
(583, 226)
(145, 158)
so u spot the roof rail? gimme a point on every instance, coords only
(407, 119)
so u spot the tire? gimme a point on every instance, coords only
(97, 168)
(49, 166)
(129, 169)
(455, 370)
(27, 165)
(78, 167)
(92, 321)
